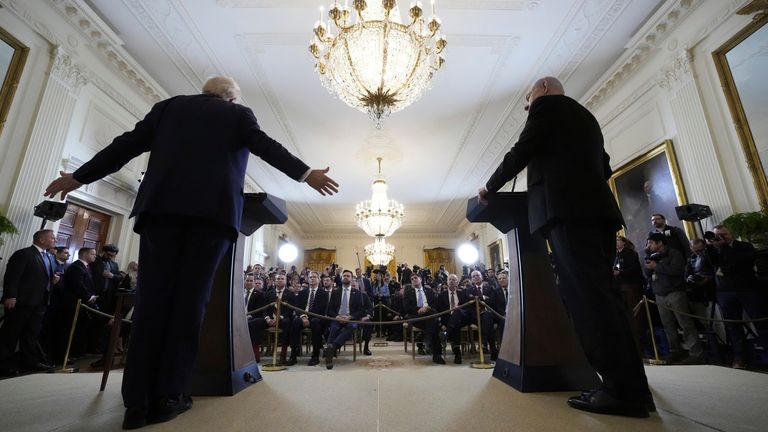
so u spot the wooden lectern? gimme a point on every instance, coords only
(225, 362)
(539, 350)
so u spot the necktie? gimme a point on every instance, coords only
(345, 302)
(453, 299)
(311, 299)
(419, 298)
(46, 263)
(247, 298)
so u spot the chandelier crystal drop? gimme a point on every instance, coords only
(379, 216)
(379, 252)
(375, 63)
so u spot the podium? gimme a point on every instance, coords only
(539, 350)
(225, 362)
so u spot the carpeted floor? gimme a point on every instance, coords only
(389, 392)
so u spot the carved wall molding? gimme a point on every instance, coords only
(27, 17)
(646, 41)
(442, 4)
(72, 75)
(757, 7)
(679, 73)
(109, 47)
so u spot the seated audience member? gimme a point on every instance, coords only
(737, 290)
(483, 291)
(628, 279)
(451, 299)
(285, 318)
(255, 299)
(668, 282)
(366, 329)
(345, 304)
(419, 301)
(313, 299)
(499, 303)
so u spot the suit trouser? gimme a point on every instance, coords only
(454, 322)
(22, 325)
(179, 257)
(340, 333)
(733, 304)
(583, 252)
(429, 328)
(316, 325)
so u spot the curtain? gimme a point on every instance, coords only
(433, 258)
(318, 259)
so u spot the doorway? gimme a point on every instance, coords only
(82, 227)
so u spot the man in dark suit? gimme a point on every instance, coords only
(312, 299)
(188, 209)
(737, 289)
(487, 293)
(570, 203)
(255, 299)
(420, 301)
(27, 284)
(345, 304)
(363, 282)
(284, 319)
(676, 238)
(78, 285)
(451, 299)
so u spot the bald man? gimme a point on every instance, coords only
(188, 210)
(571, 205)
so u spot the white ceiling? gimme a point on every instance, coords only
(436, 152)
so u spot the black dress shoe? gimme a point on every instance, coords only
(135, 417)
(41, 367)
(291, 361)
(9, 372)
(601, 402)
(314, 361)
(649, 404)
(168, 408)
(367, 352)
(438, 359)
(457, 359)
(328, 352)
(421, 350)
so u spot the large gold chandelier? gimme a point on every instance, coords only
(379, 252)
(377, 64)
(379, 216)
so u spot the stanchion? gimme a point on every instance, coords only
(656, 360)
(481, 364)
(274, 366)
(64, 368)
(381, 318)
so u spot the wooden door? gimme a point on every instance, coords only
(82, 227)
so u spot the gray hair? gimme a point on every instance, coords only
(223, 87)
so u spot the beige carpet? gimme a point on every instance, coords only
(389, 392)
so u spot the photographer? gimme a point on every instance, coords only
(700, 279)
(667, 280)
(734, 263)
(676, 238)
(628, 279)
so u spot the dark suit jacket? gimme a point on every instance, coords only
(568, 169)
(78, 283)
(410, 302)
(357, 304)
(199, 151)
(288, 297)
(319, 305)
(444, 303)
(736, 263)
(257, 300)
(26, 278)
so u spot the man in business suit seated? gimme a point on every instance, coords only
(499, 304)
(27, 284)
(367, 329)
(487, 293)
(345, 304)
(571, 205)
(255, 299)
(284, 320)
(419, 301)
(451, 299)
(79, 285)
(313, 299)
(188, 209)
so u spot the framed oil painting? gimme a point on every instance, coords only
(742, 63)
(649, 184)
(495, 256)
(13, 55)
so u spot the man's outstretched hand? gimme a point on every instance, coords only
(64, 184)
(481, 195)
(320, 182)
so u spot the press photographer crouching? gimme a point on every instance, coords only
(667, 268)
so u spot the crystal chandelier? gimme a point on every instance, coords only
(379, 216)
(379, 252)
(377, 64)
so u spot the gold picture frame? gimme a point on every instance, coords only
(496, 255)
(648, 184)
(736, 106)
(11, 68)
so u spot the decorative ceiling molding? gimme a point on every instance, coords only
(514, 5)
(757, 7)
(645, 41)
(170, 25)
(27, 17)
(679, 73)
(72, 75)
(109, 47)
